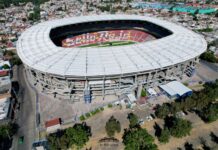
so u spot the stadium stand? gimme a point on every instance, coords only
(107, 36)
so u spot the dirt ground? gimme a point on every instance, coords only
(200, 130)
(98, 122)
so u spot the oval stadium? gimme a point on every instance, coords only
(87, 56)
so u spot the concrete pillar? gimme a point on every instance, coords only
(139, 90)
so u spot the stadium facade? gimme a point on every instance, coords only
(58, 59)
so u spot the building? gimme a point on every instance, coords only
(61, 58)
(53, 125)
(4, 106)
(176, 90)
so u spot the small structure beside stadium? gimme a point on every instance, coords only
(176, 90)
(53, 125)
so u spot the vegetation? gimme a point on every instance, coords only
(82, 118)
(109, 105)
(214, 137)
(138, 139)
(164, 135)
(88, 115)
(205, 30)
(35, 15)
(6, 133)
(5, 66)
(133, 120)
(210, 113)
(7, 3)
(108, 44)
(15, 61)
(163, 111)
(8, 53)
(143, 93)
(92, 113)
(178, 127)
(209, 56)
(198, 101)
(75, 137)
(213, 43)
(174, 126)
(188, 146)
(112, 126)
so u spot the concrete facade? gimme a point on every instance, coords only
(74, 87)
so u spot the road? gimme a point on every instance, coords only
(208, 71)
(26, 115)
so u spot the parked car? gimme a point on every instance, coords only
(21, 140)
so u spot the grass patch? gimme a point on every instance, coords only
(109, 44)
(92, 113)
(109, 105)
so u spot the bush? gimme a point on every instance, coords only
(209, 56)
(210, 113)
(82, 118)
(88, 115)
(138, 139)
(5, 66)
(15, 61)
(8, 53)
(109, 105)
(162, 111)
(75, 137)
(133, 120)
(205, 30)
(102, 108)
(143, 93)
(6, 131)
(178, 127)
(95, 111)
(112, 126)
(164, 135)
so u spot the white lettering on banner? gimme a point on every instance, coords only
(107, 36)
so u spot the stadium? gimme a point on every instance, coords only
(87, 56)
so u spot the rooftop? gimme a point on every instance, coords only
(52, 122)
(37, 51)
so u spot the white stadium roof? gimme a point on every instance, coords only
(36, 50)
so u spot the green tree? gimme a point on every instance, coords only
(209, 56)
(138, 139)
(133, 120)
(35, 15)
(162, 111)
(178, 127)
(143, 93)
(75, 136)
(210, 113)
(8, 130)
(5, 66)
(188, 146)
(58, 140)
(6, 133)
(112, 126)
(214, 137)
(198, 101)
(164, 135)
(15, 61)
(78, 135)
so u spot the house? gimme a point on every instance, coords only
(4, 106)
(53, 125)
